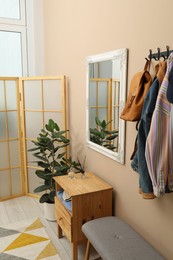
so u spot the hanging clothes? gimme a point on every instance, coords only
(139, 162)
(159, 143)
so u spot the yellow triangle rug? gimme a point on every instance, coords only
(26, 240)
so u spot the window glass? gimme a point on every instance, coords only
(93, 93)
(2, 102)
(14, 153)
(52, 91)
(33, 121)
(4, 189)
(103, 94)
(33, 94)
(16, 183)
(2, 126)
(11, 94)
(4, 155)
(10, 9)
(12, 124)
(10, 53)
(92, 115)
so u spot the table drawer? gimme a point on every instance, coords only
(63, 218)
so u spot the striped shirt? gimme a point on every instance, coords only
(159, 143)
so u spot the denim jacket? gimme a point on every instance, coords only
(138, 163)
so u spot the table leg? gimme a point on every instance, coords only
(59, 232)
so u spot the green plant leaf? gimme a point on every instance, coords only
(41, 174)
(44, 198)
(110, 146)
(95, 139)
(47, 198)
(40, 157)
(61, 132)
(52, 196)
(64, 139)
(111, 137)
(33, 149)
(50, 125)
(61, 155)
(48, 182)
(97, 120)
(94, 131)
(56, 149)
(56, 127)
(60, 173)
(61, 168)
(44, 132)
(44, 139)
(102, 134)
(111, 132)
(43, 165)
(46, 170)
(103, 124)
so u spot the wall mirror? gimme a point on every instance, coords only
(106, 95)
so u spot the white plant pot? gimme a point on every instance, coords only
(49, 211)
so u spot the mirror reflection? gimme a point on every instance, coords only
(106, 89)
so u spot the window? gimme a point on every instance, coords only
(13, 50)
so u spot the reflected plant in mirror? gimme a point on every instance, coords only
(102, 136)
(106, 94)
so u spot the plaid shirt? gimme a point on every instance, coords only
(159, 144)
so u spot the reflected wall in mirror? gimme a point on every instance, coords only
(106, 94)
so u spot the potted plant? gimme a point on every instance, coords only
(50, 151)
(102, 136)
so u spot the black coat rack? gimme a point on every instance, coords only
(157, 56)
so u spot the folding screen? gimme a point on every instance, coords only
(26, 106)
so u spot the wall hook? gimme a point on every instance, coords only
(149, 56)
(167, 50)
(158, 54)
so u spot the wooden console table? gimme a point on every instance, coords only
(91, 198)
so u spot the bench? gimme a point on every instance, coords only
(113, 239)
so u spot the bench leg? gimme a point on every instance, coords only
(87, 250)
(74, 251)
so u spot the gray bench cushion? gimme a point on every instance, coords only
(113, 239)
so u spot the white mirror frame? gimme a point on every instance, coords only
(120, 54)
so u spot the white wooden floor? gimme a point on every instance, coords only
(26, 208)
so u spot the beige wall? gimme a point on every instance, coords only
(76, 29)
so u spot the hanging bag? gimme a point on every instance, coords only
(139, 86)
